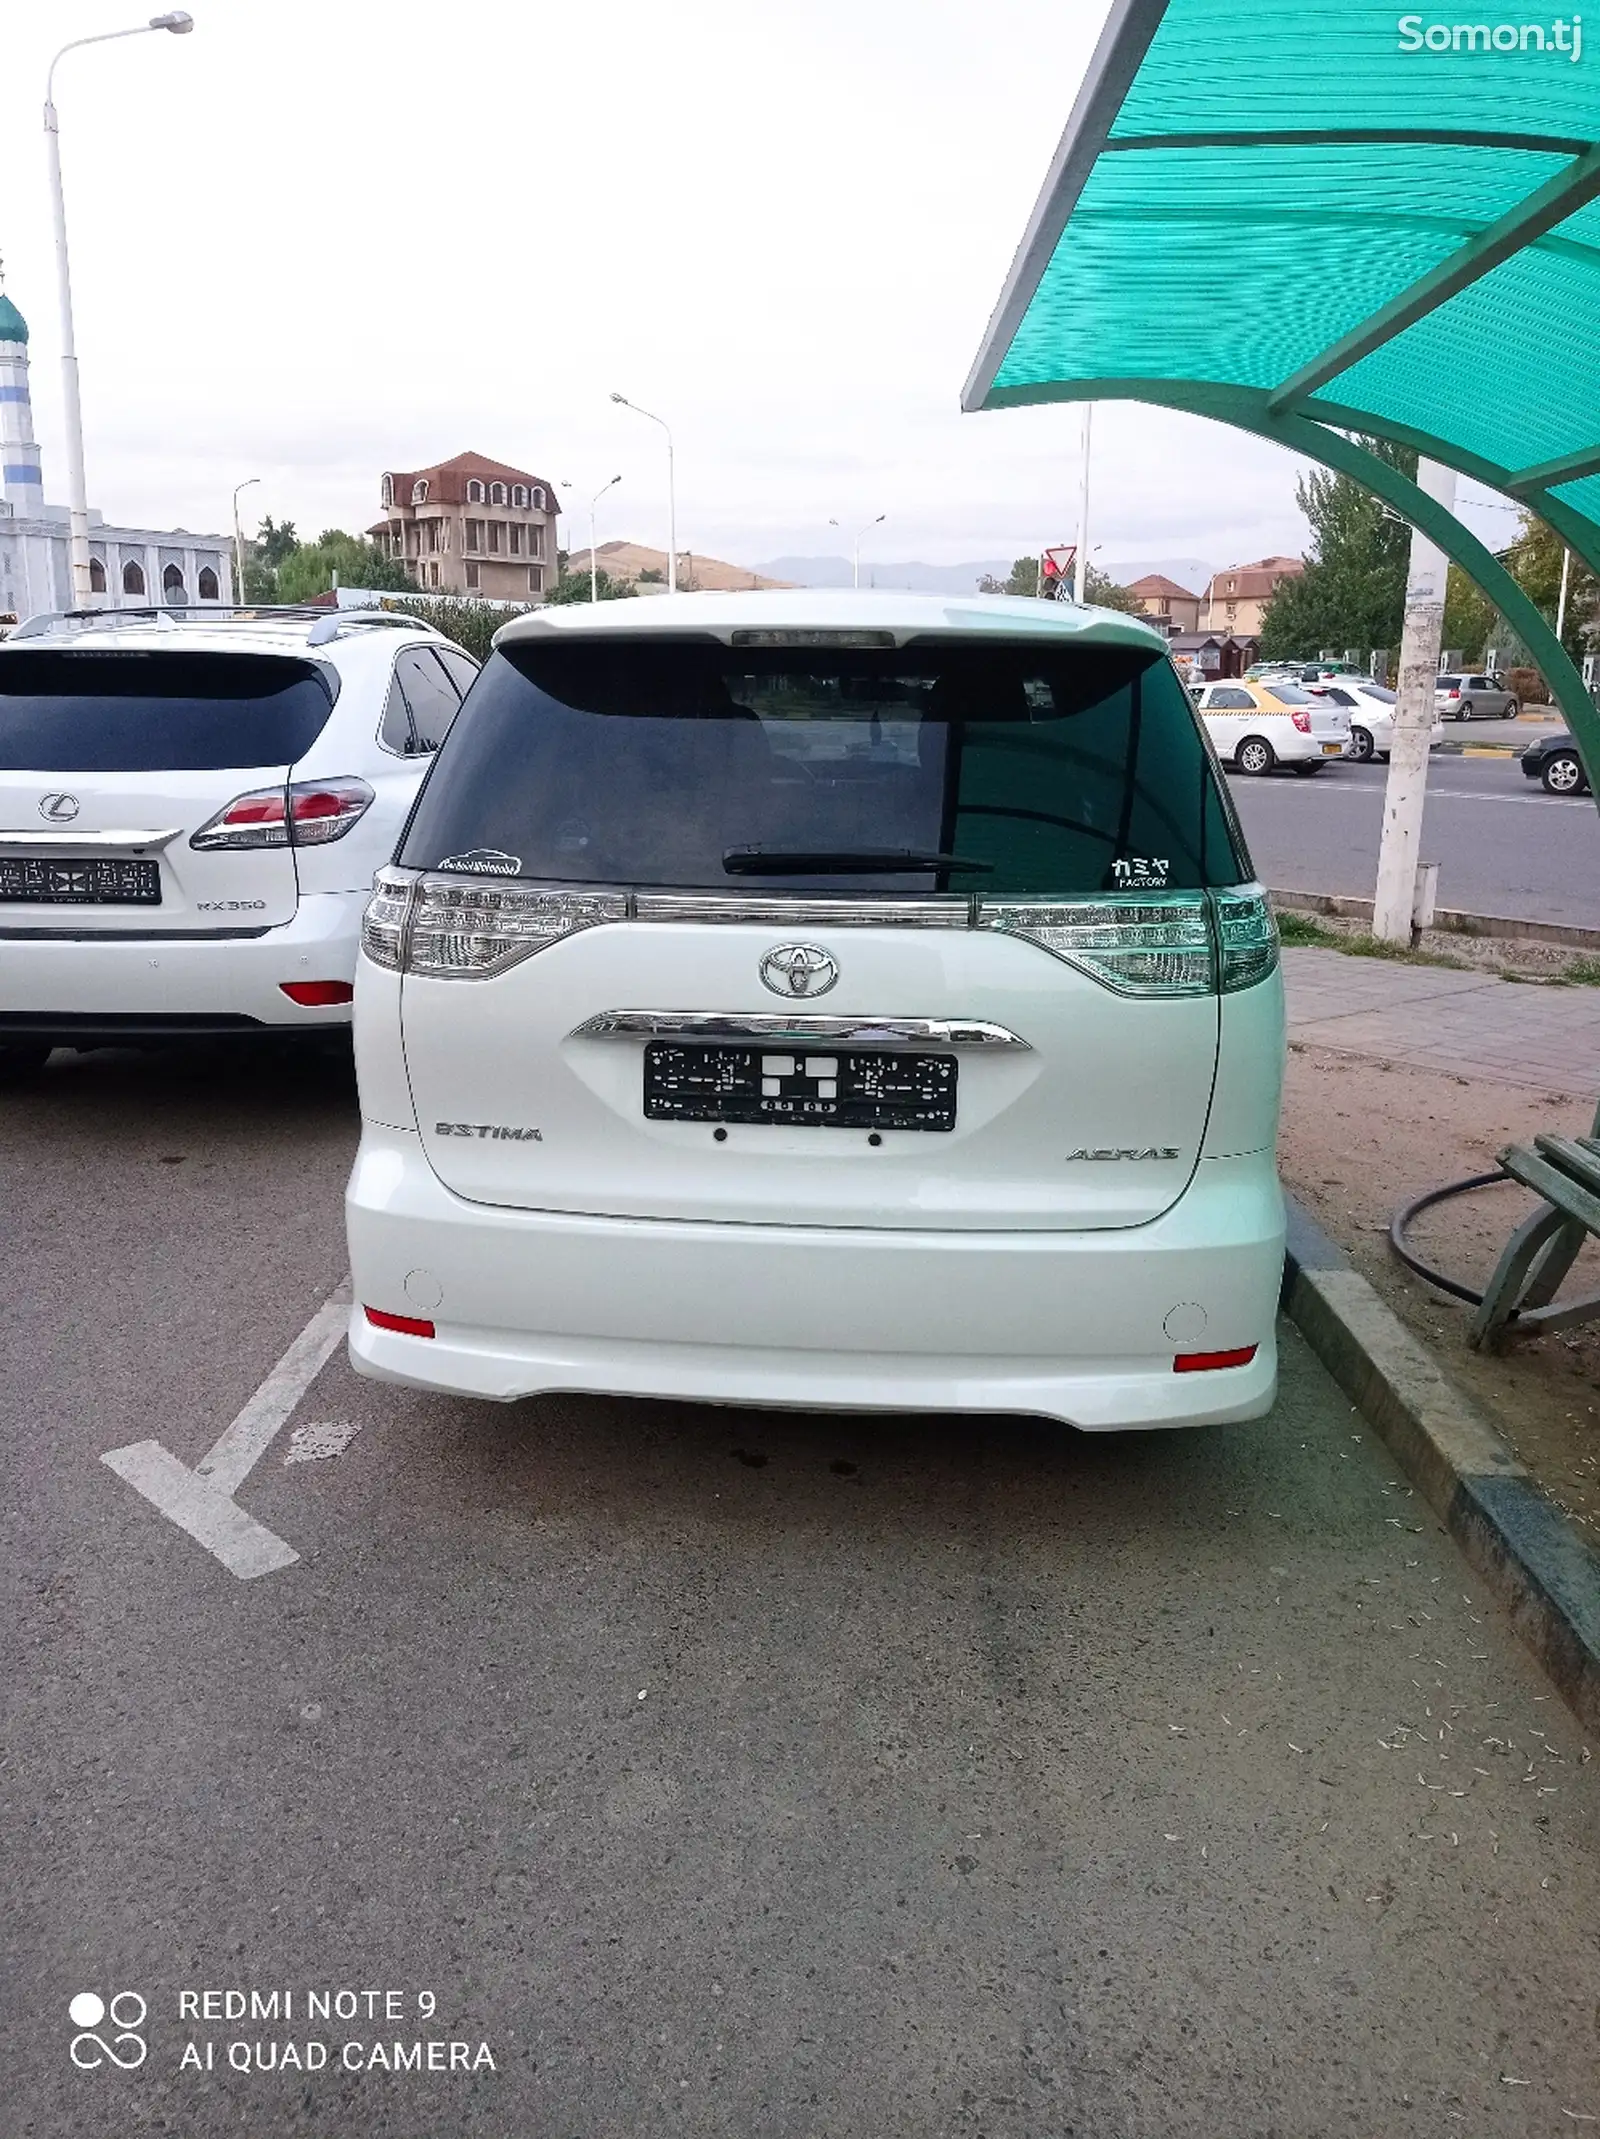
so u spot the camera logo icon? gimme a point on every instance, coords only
(127, 2047)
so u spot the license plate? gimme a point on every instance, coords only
(100, 881)
(1332, 750)
(847, 1088)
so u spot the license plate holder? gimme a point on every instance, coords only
(78, 880)
(818, 1087)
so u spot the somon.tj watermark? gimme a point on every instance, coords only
(1564, 35)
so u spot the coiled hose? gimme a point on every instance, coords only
(1414, 1209)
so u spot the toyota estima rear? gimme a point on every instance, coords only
(854, 1001)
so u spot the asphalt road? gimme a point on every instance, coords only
(1502, 844)
(725, 1772)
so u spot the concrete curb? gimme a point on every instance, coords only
(1542, 1570)
(1451, 921)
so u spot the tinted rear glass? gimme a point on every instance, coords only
(1289, 694)
(156, 712)
(700, 766)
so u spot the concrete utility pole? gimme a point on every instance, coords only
(1394, 903)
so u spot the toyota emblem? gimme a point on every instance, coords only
(798, 969)
(58, 808)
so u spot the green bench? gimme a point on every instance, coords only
(1519, 1300)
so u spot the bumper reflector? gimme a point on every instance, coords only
(317, 994)
(1196, 1362)
(402, 1325)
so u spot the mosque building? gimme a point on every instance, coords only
(129, 567)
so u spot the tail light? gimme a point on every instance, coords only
(1201, 1362)
(1134, 943)
(307, 813)
(401, 1325)
(466, 928)
(317, 994)
(1301, 719)
(1452, 694)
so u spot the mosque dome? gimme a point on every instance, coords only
(13, 327)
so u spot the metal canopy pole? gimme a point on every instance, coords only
(1394, 901)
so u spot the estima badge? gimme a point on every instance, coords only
(798, 969)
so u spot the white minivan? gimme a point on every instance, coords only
(823, 1000)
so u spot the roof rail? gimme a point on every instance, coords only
(326, 623)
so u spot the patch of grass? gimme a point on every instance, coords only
(1298, 930)
(1301, 931)
(1580, 973)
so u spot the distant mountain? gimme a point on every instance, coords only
(918, 578)
(914, 578)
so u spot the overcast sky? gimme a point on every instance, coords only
(320, 238)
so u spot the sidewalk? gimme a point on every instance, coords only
(1402, 1078)
(1464, 1024)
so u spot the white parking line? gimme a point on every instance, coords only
(201, 1501)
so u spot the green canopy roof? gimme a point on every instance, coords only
(1309, 218)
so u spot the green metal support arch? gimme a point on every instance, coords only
(1300, 434)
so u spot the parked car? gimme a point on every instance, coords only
(1475, 698)
(1371, 709)
(1257, 726)
(858, 1001)
(1554, 762)
(192, 806)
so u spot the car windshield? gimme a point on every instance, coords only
(942, 766)
(1290, 694)
(1448, 683)
(1379, 691)
(92, 711)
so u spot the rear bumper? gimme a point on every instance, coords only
(1066, 1325)
(83, 990)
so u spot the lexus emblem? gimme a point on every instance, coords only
(798, 969)
(58, 808)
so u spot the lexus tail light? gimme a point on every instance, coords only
(307, 813)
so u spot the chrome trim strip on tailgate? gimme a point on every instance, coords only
(809, 1030)
(791, 912)
(110, 842)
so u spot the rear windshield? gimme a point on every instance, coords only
(156, 712)
(1448, 683)
(934, 767)
(1289, 694)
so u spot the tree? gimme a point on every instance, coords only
(575, 587)
(471, 624)
(275, 542)
(1353, 589)
(336, 558)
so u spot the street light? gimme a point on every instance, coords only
(622, 401)
(180, 25)
(594, 569)
(855, 548)
(238, 539)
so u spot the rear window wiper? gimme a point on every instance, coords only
(847, 861)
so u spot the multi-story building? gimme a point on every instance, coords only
(129, 567)
(1237, 599)
(471, 526)
(1166, 603)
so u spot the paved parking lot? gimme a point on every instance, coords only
(729, 1772)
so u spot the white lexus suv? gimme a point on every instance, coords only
(823, 1000)
(192, 805)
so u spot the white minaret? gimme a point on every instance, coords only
(21, 485)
